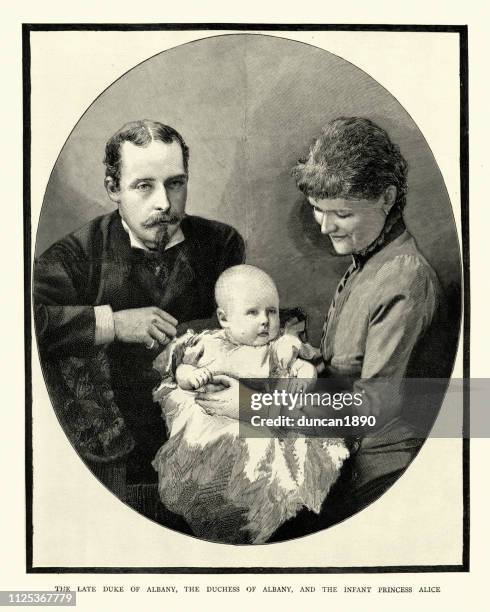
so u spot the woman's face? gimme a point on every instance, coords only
(352, 225)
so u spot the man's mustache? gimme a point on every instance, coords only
(161, 219)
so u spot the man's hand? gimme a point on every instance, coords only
(144, 326)
(221, 403)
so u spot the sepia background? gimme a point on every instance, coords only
(248, 106)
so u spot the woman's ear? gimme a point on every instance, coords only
(389, 198)
(221, 314)
(112, 189)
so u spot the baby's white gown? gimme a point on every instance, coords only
(228, 487)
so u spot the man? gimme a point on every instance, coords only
(123, 283)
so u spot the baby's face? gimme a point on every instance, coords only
(252, 316)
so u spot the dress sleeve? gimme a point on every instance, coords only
(400, 313)
(184, 349)
(65, 325)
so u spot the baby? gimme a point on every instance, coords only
(230, 488)
(249, 344)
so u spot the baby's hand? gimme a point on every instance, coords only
(191, 378)
(199, 378)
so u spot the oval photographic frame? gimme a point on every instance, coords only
(68, 174)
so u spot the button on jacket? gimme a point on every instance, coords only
(382, 308)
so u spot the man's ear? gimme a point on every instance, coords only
(112, 189)
(389, 198)
(221, 314)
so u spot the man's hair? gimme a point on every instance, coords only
(140, 133)
(353, 158)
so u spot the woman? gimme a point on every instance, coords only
(355, 180)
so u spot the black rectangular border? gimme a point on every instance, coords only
(462, 31)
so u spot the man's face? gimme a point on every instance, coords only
(152, 191)
(352, 225)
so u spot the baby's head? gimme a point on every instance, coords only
(248, 305)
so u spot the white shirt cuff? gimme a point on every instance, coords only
(104, 325)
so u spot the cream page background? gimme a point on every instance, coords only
(427, 532)
(81, 522)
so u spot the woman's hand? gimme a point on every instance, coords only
(286, 350)
(310, 353)
(224, 402)
(303, 377)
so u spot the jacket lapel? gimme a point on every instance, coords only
(115, 265)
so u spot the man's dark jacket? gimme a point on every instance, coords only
(96, 266)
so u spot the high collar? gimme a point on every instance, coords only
(393, 228)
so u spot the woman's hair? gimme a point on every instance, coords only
(140, 133)
(353, 158)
